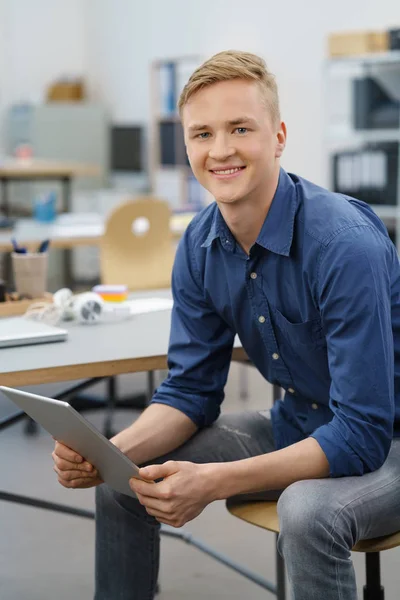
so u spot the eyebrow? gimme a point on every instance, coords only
(238, 121)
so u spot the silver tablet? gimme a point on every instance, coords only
(66, 425)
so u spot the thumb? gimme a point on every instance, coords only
(154, 472)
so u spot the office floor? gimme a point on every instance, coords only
(45, 555)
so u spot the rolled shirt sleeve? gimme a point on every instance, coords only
(200, 345)
(353, 289)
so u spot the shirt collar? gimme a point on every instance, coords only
(220, 229)
(276, 233)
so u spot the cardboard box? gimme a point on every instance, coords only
(362, 42)
(66, 91)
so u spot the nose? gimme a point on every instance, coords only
(221, 148)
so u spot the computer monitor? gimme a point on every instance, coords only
(126, 148)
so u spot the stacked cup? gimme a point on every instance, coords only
(30, 270)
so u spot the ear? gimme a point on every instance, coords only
(280, 140)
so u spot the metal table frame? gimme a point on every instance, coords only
(65, 180)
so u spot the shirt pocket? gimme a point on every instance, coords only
(307, 333)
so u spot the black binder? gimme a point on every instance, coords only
(355, 173)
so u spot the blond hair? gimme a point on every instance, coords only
(233, 64)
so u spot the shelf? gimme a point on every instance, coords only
(370, 136)
(359, 145)
(171, 176)
(378, 58)
(386, 212)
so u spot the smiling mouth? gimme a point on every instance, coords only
(225, 173)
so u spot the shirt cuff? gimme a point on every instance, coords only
(342, 459)
(203, 413)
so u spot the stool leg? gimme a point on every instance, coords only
(243, 382)
(110, 406)
(373, 590)
(280, 575)
(150, 386)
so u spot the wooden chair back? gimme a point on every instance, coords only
(137, 247)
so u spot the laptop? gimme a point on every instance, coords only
(19, 331)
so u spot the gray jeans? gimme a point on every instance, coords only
(320, 520)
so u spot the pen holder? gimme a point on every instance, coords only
(44, 209)
(30, 273)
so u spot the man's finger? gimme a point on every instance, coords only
(149, 490)
(161, 517)
(71, 475)
(154, 503)
(75, 483)
(153, 472)
(66, 453)
(66, 465)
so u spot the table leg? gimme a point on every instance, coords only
(5, 209)
(6, 269)
(66, 194)
(66, 207)
(68, 276)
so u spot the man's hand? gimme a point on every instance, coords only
(72, 469)
(184, 492)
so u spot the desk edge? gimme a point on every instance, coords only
(92, 370)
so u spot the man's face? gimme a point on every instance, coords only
(232, 144)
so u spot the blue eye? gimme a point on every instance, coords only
(241, 130)
(203, 135)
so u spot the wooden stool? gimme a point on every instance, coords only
(265, 515)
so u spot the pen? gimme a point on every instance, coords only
(44, 246)
(18, 249)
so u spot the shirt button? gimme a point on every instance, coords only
(275, 356)
(314, 406)
(253, 275)
(261, 319)
(291, 390)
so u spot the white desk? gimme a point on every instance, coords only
(137, 344)
(68, 233)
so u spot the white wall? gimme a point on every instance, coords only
(118, 51)
(113, 42)
(43, 40)
(3, 70)
(40, 41)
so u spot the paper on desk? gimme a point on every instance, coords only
(145, 305)
(88, 230)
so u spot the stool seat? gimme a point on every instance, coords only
(265, 515)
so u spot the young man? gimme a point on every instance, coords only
(310, 282)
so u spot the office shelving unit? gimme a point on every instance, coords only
(342, 135)
(169, 171)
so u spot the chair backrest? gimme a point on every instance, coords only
(137, 247)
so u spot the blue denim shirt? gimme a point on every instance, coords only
(316, 307)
